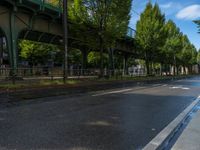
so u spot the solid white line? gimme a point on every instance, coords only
(122, 91)
(156, 142)
(112, 92)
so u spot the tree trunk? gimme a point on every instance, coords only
(174, 70)
(147, 63)
(161, 66)
(101, 56)
(177, 70)
(111, 61)
(147, 67)
(84, 61)
(184, 70)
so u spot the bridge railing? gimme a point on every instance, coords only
(53, 4)
(57, 73)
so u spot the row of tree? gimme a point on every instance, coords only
(161, 41)
(198, 55)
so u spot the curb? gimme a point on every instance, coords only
(162, 139)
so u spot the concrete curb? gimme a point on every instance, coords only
(160, 141)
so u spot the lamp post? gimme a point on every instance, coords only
(65, 38)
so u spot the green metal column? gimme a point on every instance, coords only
(84, 61)
(1, 51)
(13, 44)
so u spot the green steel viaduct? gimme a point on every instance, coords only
(41, 21)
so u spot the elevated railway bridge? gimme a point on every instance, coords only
(41, 21)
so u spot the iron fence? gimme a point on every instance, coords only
(57, 73)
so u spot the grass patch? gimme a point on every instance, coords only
(12, 86)
(49, 83)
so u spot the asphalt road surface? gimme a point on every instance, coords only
(118, 119)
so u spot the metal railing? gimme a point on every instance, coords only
(51, 4)
(57, 73)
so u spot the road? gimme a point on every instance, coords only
(118, 119)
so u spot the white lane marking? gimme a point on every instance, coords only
(185, 88)
(179, 87)
(112, 92)
(126, 91)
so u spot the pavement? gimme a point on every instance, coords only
(190, 138)
(127, 118)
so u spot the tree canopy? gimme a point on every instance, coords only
(109, 20)
(150, 33)
(162, 41)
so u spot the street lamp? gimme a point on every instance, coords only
(65, 14)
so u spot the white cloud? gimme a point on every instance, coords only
(189, 13)
(170, 8)
(171, 5)
(167, 5)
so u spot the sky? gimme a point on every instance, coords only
(182, 12)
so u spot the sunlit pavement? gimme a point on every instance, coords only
(119, 119)
(190, 138)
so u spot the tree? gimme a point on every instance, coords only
(150, 33)
(173, 44)
(189, 54)
(35, 52)
(110, 18)
(198, 60)
(198, 24)
(198, 57)
(94, 59)
(75, 56)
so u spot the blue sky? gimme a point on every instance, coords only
(182, 12)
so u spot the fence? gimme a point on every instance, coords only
(57, 73)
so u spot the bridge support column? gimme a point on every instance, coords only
(12, 44)
(84, 61)
(1, 51)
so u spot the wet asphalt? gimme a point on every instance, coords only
(120, 119)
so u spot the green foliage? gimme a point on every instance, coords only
(94, 59)
(161, 41)
(150, 33)
(173, 43)
(198, 24)
(35, 52)
(75, 56)
(198, 57)
(103, 16)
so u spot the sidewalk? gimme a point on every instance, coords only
(190, 138)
